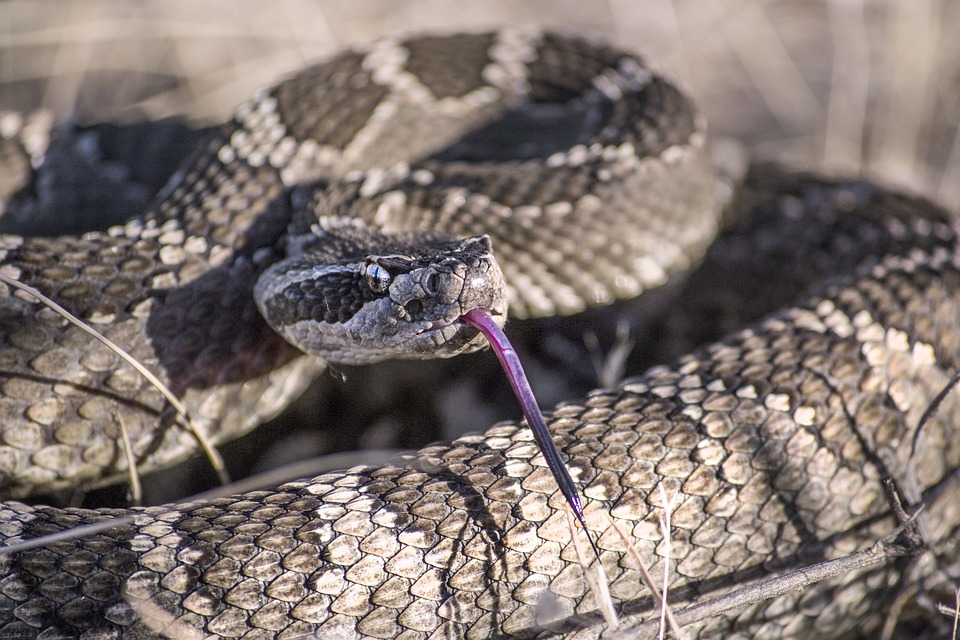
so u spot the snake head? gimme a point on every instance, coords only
(355, 300)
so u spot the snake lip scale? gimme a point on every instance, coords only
(345, 210)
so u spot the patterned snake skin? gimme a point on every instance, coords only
(774, 442)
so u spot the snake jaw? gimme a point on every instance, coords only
(465, 332)
(499, 316)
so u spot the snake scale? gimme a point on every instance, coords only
(775, 441)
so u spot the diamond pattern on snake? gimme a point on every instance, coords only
(357, 210)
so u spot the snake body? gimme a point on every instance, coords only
(774, 441)
(175, 289)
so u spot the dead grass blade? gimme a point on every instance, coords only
(599, 584)
(647, 580)
(273, 478)
(665, 526)
(956, 613)
(83, 531)
(136, 489)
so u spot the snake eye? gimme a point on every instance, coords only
(378, 278)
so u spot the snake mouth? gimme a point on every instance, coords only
(471, 333)
(461, 323)
(454, 336)
(498, 316)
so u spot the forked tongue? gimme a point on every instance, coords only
(482, 321)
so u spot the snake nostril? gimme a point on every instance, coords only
(414, 307)
(431, 284)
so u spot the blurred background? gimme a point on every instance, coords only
(858, 88)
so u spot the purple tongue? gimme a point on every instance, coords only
(481, 320)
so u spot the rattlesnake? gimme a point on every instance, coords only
(590, 173)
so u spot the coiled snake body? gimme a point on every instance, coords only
(588, 172)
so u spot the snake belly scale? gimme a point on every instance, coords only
(774, 441)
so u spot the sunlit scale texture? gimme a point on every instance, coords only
(174, 288)
(771, 444)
